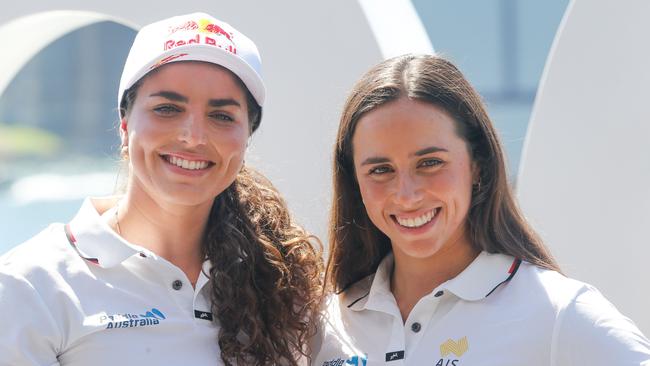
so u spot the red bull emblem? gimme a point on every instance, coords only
(206, 26)
(203, 26)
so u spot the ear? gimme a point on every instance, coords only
(476, 173)
(124, 134)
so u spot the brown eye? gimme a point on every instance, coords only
(223, 117)
(430, 163)
(382, 169)
(166, 110)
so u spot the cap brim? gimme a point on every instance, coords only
(210, 54)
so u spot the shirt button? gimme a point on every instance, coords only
(439, 293)
(176, 285)
(415, 327)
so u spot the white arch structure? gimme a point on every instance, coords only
(585, 174)
(24, 37)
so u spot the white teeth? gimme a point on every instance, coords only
(418, 221)
(187, 164)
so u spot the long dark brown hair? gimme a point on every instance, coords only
(266, 276)
(495, 222)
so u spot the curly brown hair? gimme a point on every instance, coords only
(266, 276)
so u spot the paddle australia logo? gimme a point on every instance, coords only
(449, 347)
(354, 361)
(149, 318)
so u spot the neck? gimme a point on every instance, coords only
(414, 278)
(172, 231)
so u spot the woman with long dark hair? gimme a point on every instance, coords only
(431, 259)
(199, 261)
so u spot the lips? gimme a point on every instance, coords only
(418, 221)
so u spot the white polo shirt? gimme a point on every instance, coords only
(499, 311)
(79, 294)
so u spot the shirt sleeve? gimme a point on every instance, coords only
(29, 335)
(591, 331)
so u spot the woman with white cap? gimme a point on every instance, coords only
(199, 261)
(431, 260)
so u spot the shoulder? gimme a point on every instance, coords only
(36, 273)
(545, 287)
(590, 330)
(30, 275)
(37, 268)
(47, 252)
(587, 329)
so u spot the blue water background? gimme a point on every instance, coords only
(20, 221)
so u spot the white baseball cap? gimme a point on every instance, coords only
(193, 37)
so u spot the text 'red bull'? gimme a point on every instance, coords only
(199, 39)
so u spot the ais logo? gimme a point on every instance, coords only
(458, 348)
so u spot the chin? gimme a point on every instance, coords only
(418, 249)
(188, 196)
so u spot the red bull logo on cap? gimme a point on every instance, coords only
(206, 26)
(223, 39)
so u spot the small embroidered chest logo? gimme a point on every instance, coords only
(394, 356)
(202, 315)
(456, 347)
(150, 318)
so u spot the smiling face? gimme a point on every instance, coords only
(415, 175)
(186, 133)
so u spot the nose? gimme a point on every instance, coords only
(408, 191)
(193, 131)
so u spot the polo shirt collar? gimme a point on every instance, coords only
(484, 275)
(204, 276)
(95, 241)
(380, 296)
(373, 292)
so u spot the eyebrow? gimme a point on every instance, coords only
(426, 150)
(181, 98)
(170, 95)
(429, 150)
(223, 102)
(374, 160)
